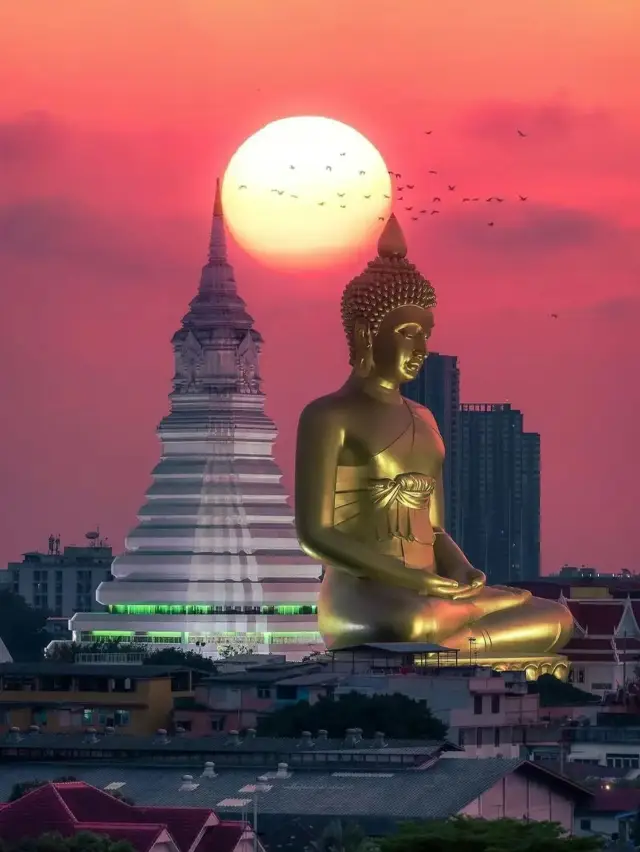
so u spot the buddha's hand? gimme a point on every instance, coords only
(441, 587)
(476, 579)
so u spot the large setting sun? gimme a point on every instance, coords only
(305, 191)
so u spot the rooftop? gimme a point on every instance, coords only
(439, 791)
(137, 671)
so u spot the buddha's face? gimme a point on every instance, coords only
(400, 346)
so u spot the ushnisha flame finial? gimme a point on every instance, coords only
(389, 281)
(392, 242)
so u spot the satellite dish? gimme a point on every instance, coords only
(92, 536)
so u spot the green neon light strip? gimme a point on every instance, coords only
(268, 637)
(207, 609)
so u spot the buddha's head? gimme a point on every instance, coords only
(387, 313)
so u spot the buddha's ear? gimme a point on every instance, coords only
(362, 345)
(362, 334)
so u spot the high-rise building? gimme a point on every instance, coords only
(438, 388)
(214, 559)
(63, 580)
(500, 492)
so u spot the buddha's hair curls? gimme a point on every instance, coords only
(386, 284)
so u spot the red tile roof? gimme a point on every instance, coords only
(184, 824)
(597, 617)
(40, 810)
(73, 806)
(223, 837)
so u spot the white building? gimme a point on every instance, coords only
(214, 559)
(62, 580)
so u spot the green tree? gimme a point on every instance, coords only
(23, 628)
(463, 834)
(555, 693)
(84, 841)
(339, 838)
(396, 715)
(176, 657)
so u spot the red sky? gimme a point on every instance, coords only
(115, 118)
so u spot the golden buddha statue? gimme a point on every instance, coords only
(369, 497)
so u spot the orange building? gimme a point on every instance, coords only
(133, 699)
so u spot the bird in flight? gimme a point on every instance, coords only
(343, 154)
(520, 133)
(428, 132)
(341, 194)
(367, 196)
(321, 203)
(490, 224)
(380, 218)
(292, 167)
(554, 316)
(451, 188)
(490, 198)
(414, 218)
(361, 172)
(410, 185)
(466, 199)
(398, 176)
(500, 199)
(242, 186)
(386, 196)
(523, 197)
(475, 199)
(423, 211)
(433, 172)
(399, 188)
(293, 196)
(400, 198)
(328, 168)
(343, 206)
(409, 208)
(436, 198)
(433, 212)
(280, 191)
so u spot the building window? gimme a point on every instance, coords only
(495, 703)
(477, 704)
(87, 716)
(218, 724)
(264, 692)
(479, 737)
(461, 738)
(496, 737)
(585, 825)
(580, 675)
(286, 693)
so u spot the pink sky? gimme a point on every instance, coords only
(115, 118)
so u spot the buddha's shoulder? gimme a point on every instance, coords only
(337, 408)
(333, 407)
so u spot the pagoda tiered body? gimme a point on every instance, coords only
(214, 560)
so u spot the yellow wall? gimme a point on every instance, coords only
(149, 707)
(577, 593)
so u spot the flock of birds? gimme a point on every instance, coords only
(404, 193)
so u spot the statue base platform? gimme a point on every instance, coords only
(553, 664)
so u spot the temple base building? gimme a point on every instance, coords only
(214, 561)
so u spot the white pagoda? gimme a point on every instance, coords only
(214, 560)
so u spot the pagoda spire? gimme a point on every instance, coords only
(217, 240)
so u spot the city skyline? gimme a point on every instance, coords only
(106, 182)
